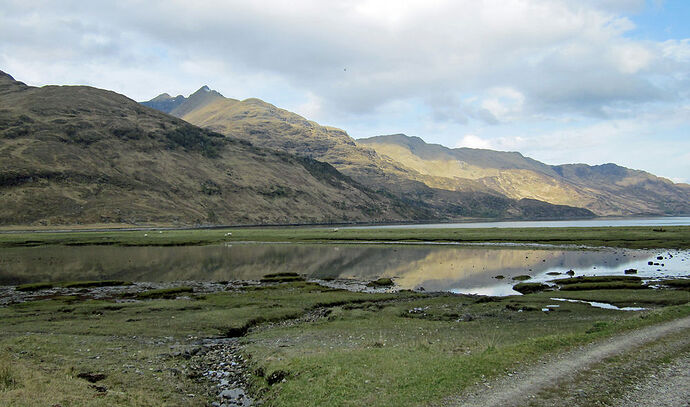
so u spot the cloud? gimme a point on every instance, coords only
(438, 69)
(472, 141)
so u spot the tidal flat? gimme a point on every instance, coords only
(297, 341)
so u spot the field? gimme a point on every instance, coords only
(288, 342)
(672, 237)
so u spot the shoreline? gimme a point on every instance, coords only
(634, 237)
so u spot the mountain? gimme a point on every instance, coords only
(179, 105)
(165, 103)
(81, 155)
(266, 125)
(606, 189)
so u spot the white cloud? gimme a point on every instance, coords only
(438, 69)
(472, 141)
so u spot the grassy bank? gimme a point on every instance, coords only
(675, 237)
(324, 346)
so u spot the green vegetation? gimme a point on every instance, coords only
(615, 285)
(527, 288)
(281, 278)
(599, 283)
(97, 283)
(522, 277)
(34, 286)
(630, 237)
(596, 279)
(381, 282)
(71, 284)
(333, 347)
(169, 293)
(678, 283)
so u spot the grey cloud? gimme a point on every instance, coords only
(356, 61)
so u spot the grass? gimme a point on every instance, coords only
(281, 278)
(631, 237)
(527, 288)
(677, 283)
(34, 286)
(625, 298)
(582, 283)
(614, 285)
(8, 376)
(71, 284)
(381, 282)
(381, 356)
(95, 283)
(169, 293)
(369, 348)
(596, 279)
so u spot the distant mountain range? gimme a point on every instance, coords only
(606, 189)
(449, 183)
(80, 155)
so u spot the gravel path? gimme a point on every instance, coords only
(670, 387)
(520, 388)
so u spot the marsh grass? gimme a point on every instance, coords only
(168, 293)
(8, 376)
(631, 237)
(365, 351)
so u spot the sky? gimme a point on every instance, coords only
(561, 81)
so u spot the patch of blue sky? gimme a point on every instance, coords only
(661, 20)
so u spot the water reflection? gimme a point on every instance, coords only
(434, 267)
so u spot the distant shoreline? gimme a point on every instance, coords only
(634, 237)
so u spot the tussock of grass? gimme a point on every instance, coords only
(677, 283)
(381, 282)
(595, 279)
(614, 285)
(8, 377)
(281, 278)
(101, 283)
(522, 277)
(167, 293)
(34, 286)
(526, 288)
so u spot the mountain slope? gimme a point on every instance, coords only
(606, 189)
(268, 126)
(76, 154)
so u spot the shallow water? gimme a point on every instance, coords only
(461, 269)
(595, 304)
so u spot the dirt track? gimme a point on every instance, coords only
(523, 388)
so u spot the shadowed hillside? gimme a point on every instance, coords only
(76, 154)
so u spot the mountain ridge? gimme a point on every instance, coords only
(607, 189)
(82, 155)
(435, 176)
(267, 125)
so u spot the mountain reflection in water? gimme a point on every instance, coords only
(434, 267)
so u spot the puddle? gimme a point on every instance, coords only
(599, 305)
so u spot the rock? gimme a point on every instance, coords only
(276, 377)
(232, 394)
(631, 271)
(570, 272)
